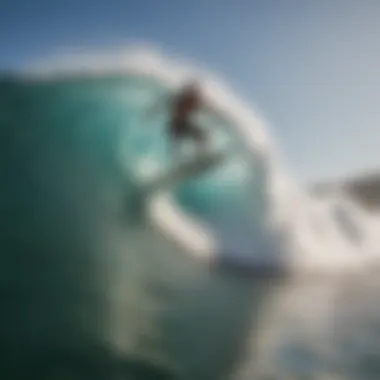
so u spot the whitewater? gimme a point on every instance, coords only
(201, 243)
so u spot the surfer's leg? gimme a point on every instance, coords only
(199, 136)
(174, 137)
(175, 148)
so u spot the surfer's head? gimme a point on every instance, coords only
(192, 87)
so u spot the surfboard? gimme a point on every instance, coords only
(185, 170)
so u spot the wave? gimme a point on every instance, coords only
(288, 227)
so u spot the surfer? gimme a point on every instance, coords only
(182, 107)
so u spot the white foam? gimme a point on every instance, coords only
(197, 238)
(314, 239)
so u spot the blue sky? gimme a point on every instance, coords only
(311, 66)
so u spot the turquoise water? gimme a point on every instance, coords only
(90, 290)
(88, 287)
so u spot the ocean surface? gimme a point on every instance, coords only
(235, 272)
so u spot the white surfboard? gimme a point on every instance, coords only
(188, 169)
